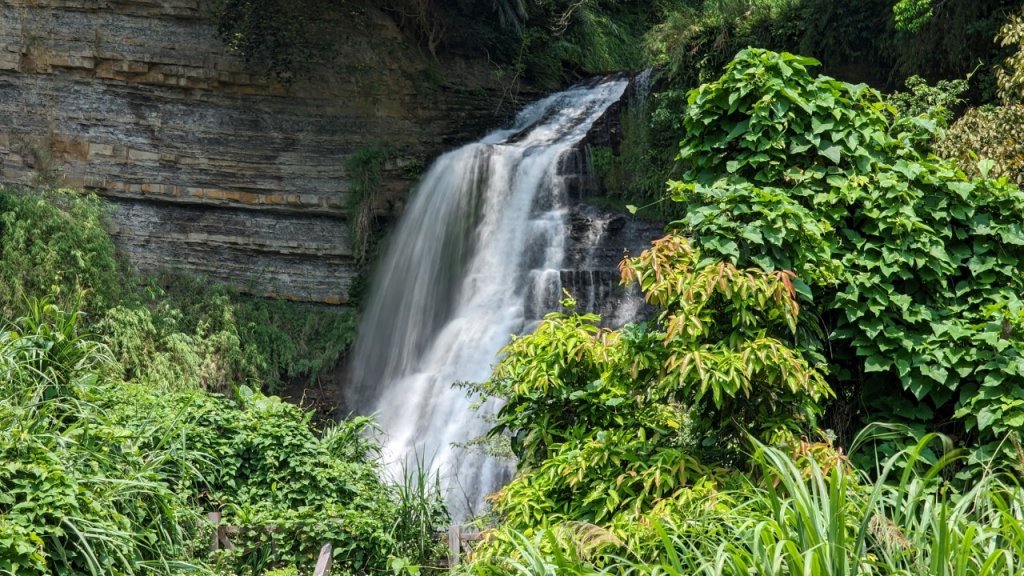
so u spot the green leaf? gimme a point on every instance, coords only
(730, 248)
(937, 373)
(753, 235)
(986, 417)
(818, 126)
(876, 364)
(737, 130)
(961, 189)
(985, 166)
(833, 153)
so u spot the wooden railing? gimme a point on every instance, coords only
(459, 541)
(221, 540)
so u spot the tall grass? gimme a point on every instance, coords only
(421, 514)
(78, 493)
(100, 476)
(903, 518)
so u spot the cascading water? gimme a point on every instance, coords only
(476, 259)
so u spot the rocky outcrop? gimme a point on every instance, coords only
(597, 238)
(210, 168)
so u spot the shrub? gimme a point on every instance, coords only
(55, 241)
(914, 270)
(607, 425)
(82, 493)
(100, 476)
(990, 138)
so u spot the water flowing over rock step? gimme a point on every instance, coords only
(491, 237)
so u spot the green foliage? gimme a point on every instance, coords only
(569, 39)
(238, 338)
(191, 334)
(421, 514)
(989, 139)
(697, 39)
(77, 489)
(154, 349)
(803, 518)
(54, 242)
(100, 476)
(1010, 76)
(104, 476)
(606, 424)
(913, 269)
(272, 471)
(937, 103)
(637, 171)
(937, 41)
(993, 133)
(910, 15)
(365, 169)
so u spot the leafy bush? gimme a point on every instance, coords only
(238, 339)
(801, 518)
(100, 476)
(55, 241)
(993, 133)
(81, 493)
(937, 103)
(990, 138)
(914, 269)
(1010, 76)
(607, 425)
(696, 40)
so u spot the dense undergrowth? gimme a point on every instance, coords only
(951, 45)
(107, 476)
(793, 517)
(114, 447)
(170, 330)
(838, 274)
(837, 257)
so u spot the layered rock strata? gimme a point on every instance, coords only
(209, 167)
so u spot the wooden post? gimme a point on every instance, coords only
(324, 562)
(214, 518)
(454, 544)
(224, 532)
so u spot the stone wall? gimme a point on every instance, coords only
(209, 167)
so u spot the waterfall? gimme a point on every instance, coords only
(476, 258)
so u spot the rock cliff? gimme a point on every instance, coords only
(208, 167)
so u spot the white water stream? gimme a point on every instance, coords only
(475, 259)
